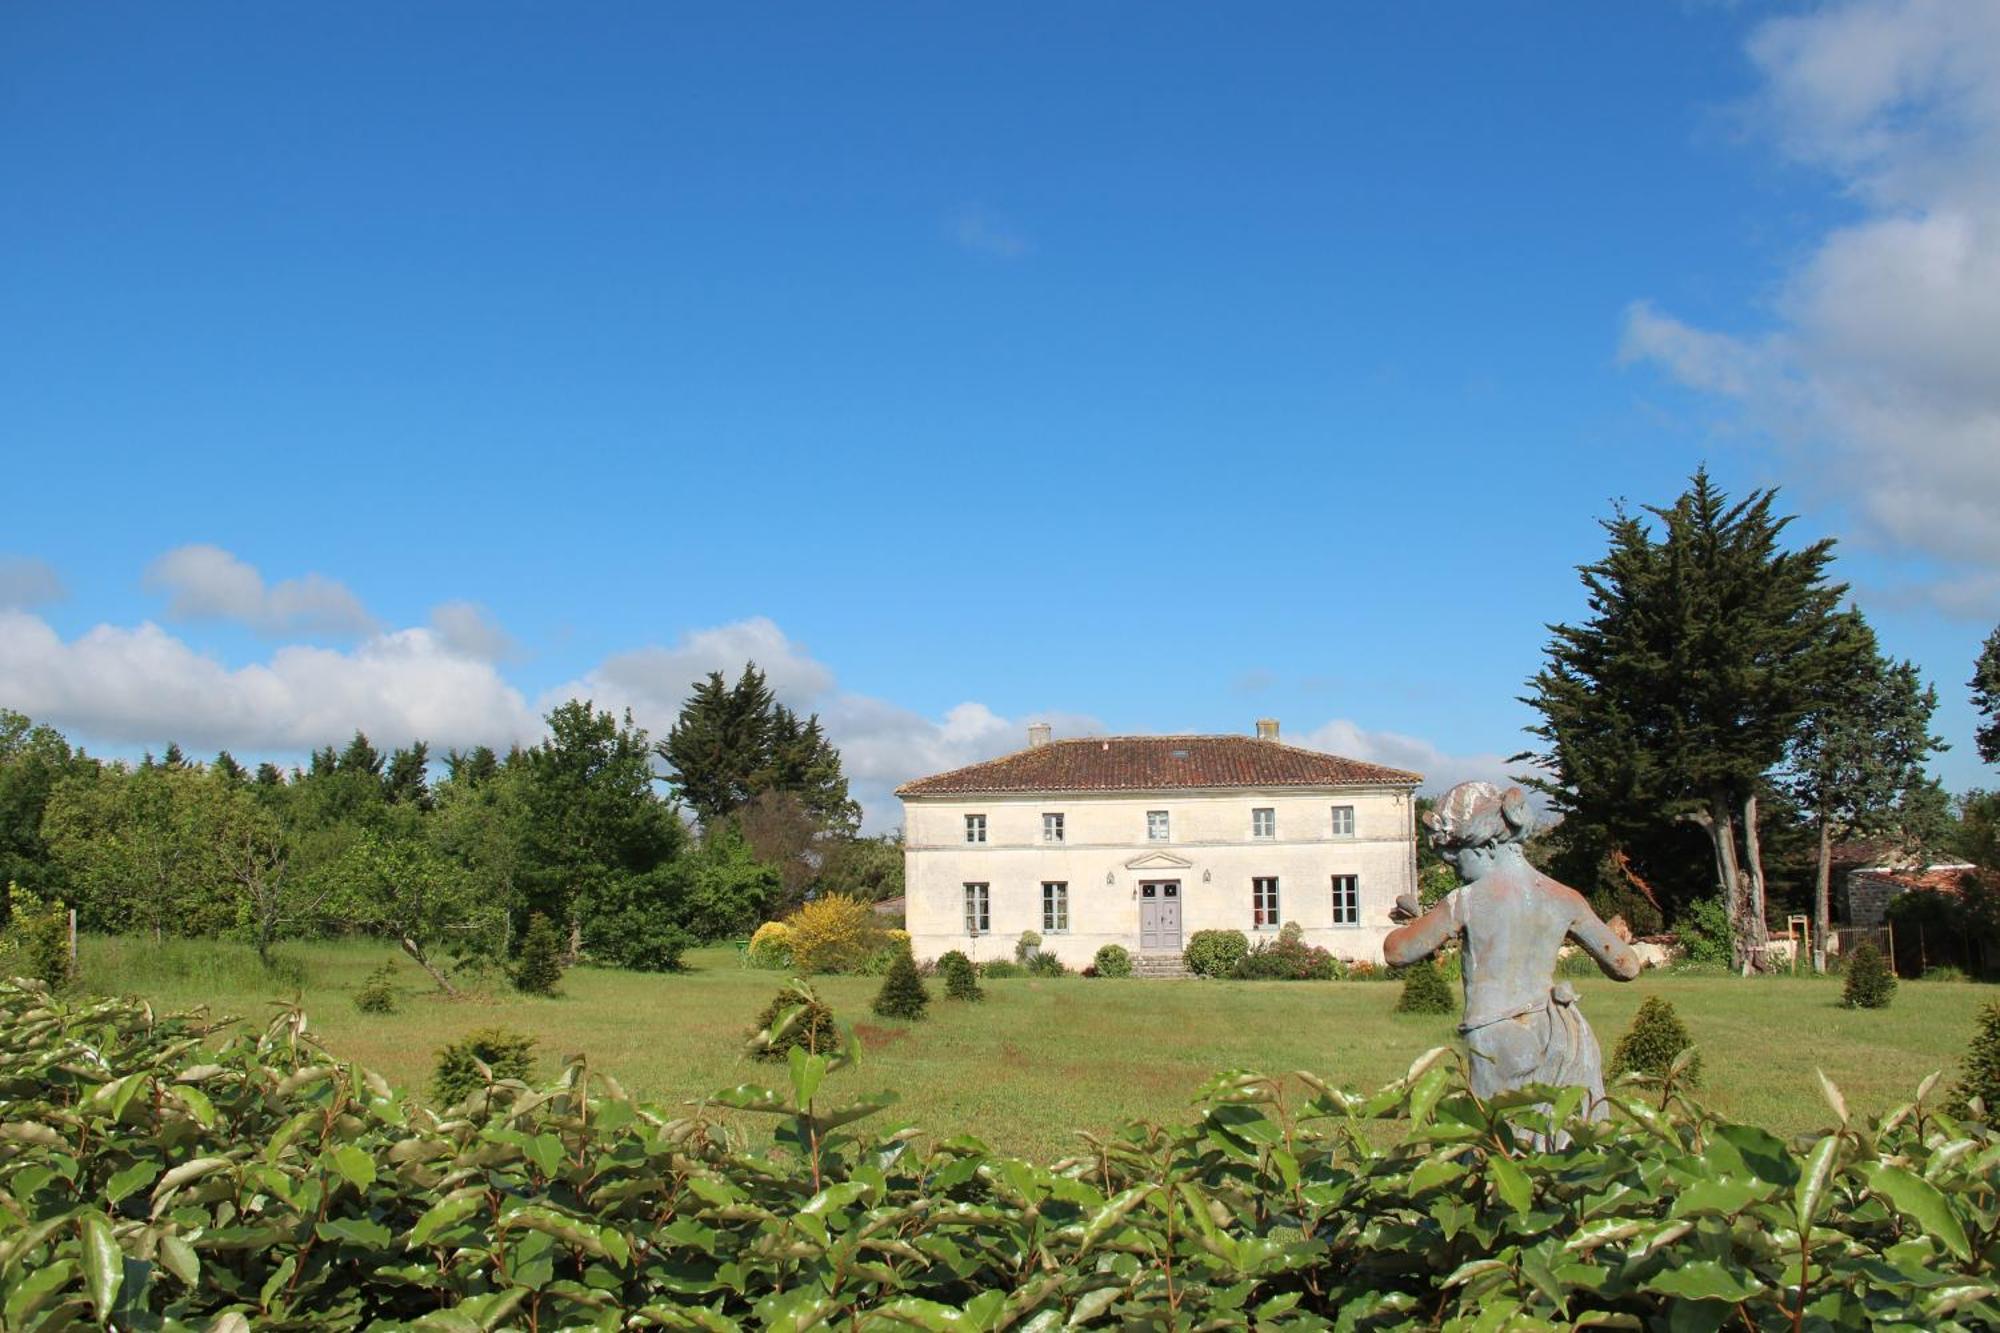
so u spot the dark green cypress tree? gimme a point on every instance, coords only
(228, 770)
(538, 971)
(903, 994)
(1425, 991)
(1668, 708)
(1870, 984)
(270, 775)
(1656, 1036)
(1985, 685)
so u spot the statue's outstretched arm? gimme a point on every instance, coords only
(1423, 937)
(1613, 955)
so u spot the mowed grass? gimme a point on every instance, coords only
(1041, 1059)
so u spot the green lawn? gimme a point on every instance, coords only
(1043, 1058)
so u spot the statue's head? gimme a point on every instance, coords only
(1479, 814)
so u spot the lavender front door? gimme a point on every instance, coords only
(1160, 917)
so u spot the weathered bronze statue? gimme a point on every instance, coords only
(1520, 1026)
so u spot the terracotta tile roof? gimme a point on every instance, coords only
(1158, 763)
(1935, 878)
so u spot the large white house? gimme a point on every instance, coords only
(1143, 840)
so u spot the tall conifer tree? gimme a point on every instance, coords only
(1706, 646)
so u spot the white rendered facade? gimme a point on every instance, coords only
(1339, 856)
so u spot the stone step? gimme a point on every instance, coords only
(1160, 966)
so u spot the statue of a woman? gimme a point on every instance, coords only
(1519, 1026)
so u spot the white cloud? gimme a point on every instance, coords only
(26, 581)
(1883, 368)
(882, 745)
(143, 686)
(985, 232)
(470, 630)
(1442, 770)
(208, 583)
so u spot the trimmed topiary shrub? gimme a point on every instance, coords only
(1870, 984)
(1649, 1046)
(961, 979)
(1113, 960)
(903, 993)
(1425, 991)
(505, 1054)
(796, 1016)
(1027, 948)
(378, 994)
(1979, 1075)
(1215, 953)
(538, 971)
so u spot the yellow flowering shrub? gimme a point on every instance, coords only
(771, 946)
(836, 933)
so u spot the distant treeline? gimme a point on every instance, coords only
(637, 849)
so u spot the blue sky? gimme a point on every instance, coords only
(1149, 368)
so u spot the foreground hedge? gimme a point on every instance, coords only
(151, 1180)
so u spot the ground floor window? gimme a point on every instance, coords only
(1264, 901)
(1055, 907)
(978, 918)
(1347, 900)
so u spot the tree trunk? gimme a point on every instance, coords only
(444, 983)
(1759, 932)
(1822, 895)
(1719, 822)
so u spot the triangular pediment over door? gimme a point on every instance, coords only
(1158, 861)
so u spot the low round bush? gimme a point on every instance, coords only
(903, 994)
(508, 1055)
(807, 1022)
(1001, 968)
(1046, 965)
(1649, 1046)
(1113, 960)
(771, 946)
(538, 971)
(1425, 991)
(1215, 953)
(1286, 959)
(1870, 984)
(837, 933)
(961, 979)
(378, 994)
(35, 941)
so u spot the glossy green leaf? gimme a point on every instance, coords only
(1921, 1202)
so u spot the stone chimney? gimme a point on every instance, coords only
(1039, 734)
(1267, 728)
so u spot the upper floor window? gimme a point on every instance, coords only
(1346, 900)
(1263, 823)
(1343, 821)
(1264, 902)
(1156, 826)
(1055, 907)
(978, 920)
(975, 828)
(1052, 828)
